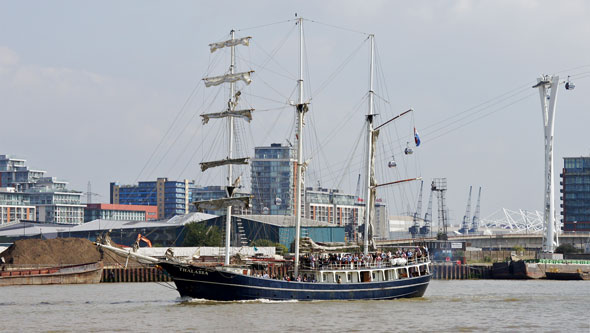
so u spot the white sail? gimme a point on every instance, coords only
(228, 78)
(244, 114)
(212, 164)
(232, 42)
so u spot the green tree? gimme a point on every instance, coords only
(199, 234)
(280, 248)
(566, 248)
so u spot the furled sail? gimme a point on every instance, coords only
(373, 190)
(212, 164)
(216, 204)
(227, 78)
(232, 42)
(244, 114)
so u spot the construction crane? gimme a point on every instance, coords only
(415, 229)
(475, 223)
(467, 217)
(425, 230)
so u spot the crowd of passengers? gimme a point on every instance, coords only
(359, 260)
(349, 261)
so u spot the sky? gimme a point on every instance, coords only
(111, 91)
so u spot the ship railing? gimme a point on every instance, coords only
(391, 263)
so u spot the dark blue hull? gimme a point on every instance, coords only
(211, 284)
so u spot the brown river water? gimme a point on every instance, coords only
(447, 306)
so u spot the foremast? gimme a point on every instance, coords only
(230, 113)
(301, 109)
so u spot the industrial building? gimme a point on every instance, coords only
(575, 194)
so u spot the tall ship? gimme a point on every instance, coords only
(324, 272)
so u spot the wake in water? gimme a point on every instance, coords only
(202, 301)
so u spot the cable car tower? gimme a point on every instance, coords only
(547, 85)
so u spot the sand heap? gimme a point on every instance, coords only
(59, 251)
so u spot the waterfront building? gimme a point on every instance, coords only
(170, 196)
(575, 194)
(120, 212)
(55, 203)
(281, 229)
(15, 206)
(329, 205)
(15, 173)
(273, 180)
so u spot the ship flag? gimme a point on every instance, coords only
(416, 137)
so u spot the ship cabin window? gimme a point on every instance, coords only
(365, 276)
(374, 276)
(326, 277)
(349, 277)
(330, 278)
(403, 273)
(388, 275)
(423, 269)
(414, 271)
(394, 275)
(342, 277)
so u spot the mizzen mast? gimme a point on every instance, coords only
(301, 109)
(370, 176)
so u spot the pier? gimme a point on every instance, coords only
(453, 271)
(134, 274)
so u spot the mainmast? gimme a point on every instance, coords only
(370, 153)
(301, 108)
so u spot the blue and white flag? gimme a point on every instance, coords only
(416, 137)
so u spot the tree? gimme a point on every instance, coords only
(199, 234)
(280, 248)
(566, 248)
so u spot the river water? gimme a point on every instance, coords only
(447, 306)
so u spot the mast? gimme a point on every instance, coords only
(370, 165)
(230, 147)
(301, 109)
(230, 112)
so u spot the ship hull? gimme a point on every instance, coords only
(212, 284)
(73, 274)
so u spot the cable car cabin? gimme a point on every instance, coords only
(569, 85)
(392, 164)
(408, 151)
